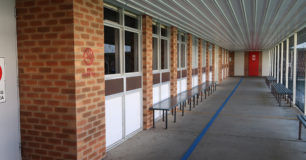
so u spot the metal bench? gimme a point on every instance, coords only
(190, 96)
(302, 121)
(270, 80)
(280, 91)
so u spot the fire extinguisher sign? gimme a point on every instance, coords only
(2, 81)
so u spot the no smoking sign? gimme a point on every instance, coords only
(2, 81)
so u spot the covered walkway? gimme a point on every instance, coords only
(251, 126)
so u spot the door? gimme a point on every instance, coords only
(253, 63)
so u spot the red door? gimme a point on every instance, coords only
(253, 63)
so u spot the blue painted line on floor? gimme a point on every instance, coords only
(198, 139)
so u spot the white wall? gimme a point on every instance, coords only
(9, 111)
(265, 63)
(239, 64)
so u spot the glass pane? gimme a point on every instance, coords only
(290, 69)
(154, 29)
(178, 55)
(210, 55)
(155, 52)
(204, 54)
(284, 62)
(130, 21)
(300, 69)
(183, 38)
(111, 50)
(164, 54)
(110, 14)
(183, 56)
(131, 52)
(194, 52)
(164, 31)
(279, 61)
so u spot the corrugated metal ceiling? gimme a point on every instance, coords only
(232, 24)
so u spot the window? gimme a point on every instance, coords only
(164, 31)
(164, 54)
(194, 52)
(111, 50)
(203, 54)
(284, 61)
(290, 69)
(116, 36)
(279, 62)
(178, 55)
(210, 55)
(300, 69)
(181, 60)
(131, 52)
(160, 44)
(111, 13)
(183, 55)
(154, 28)
(130, 20)
(155, 53)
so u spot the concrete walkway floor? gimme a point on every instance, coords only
(250, 127)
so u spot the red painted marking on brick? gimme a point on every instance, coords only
(0, 73)
(88, 56)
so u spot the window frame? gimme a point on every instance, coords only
(122, 28)
(159, 38)
(180, 43)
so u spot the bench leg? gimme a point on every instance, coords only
(163, 115)
(166, 119)
(194, 101)
(153, 118)
(183, 109)
(300, 130)
(189, 102)
(174, 114)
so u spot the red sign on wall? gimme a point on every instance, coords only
(88, 56)
(2, 81)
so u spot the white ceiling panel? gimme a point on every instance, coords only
(231, 24)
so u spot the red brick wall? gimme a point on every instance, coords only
(147, 71)
(200, 61)
(189, 61)
(207, 62)
(89, 79)
(220, 65)
(173, 63)
(231, 63)
(61, 111)
(213, 63)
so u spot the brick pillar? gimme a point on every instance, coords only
(147, 71)
(173, 55)
(189, 61)
(220, 66)
(207, 62)
(61, 92)
(213, 62)
(200, 61)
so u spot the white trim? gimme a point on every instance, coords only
(275, 76)
(281, 67)
(294, 68)
(277, 69)
(287, 62)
